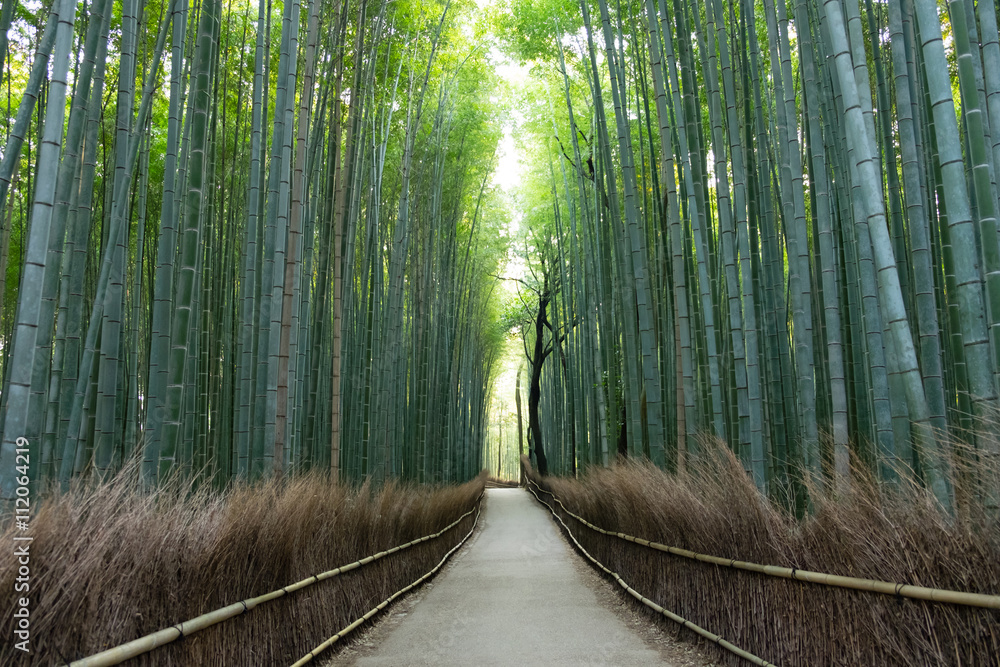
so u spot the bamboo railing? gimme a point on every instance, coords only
(119, 654)
(385, 603)
(856, 583)
(711, 636)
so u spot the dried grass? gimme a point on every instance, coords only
(893, 535)
(110, 564)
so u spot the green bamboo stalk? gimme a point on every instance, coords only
(892, 302)
(26, 359)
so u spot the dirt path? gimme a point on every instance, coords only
(516, 594)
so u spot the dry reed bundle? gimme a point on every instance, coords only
(893, 535)
(110, 564)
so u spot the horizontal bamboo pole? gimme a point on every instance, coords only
(385, 603)
(855, 583)
(711, 636)
(123, 652)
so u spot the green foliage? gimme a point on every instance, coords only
(529, 28)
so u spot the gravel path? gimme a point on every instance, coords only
(516, 594)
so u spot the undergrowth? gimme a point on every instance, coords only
(897, 535)
(110, 564)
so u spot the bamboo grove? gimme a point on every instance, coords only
(771, 223)
(246, 239)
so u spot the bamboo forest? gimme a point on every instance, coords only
(241, 240)
(292, 284)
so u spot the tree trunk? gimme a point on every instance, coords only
(535, 388)
(623, 436)
(520, 423)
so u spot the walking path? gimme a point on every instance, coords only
(516, 594)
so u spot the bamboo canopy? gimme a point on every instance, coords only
(277, 243)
